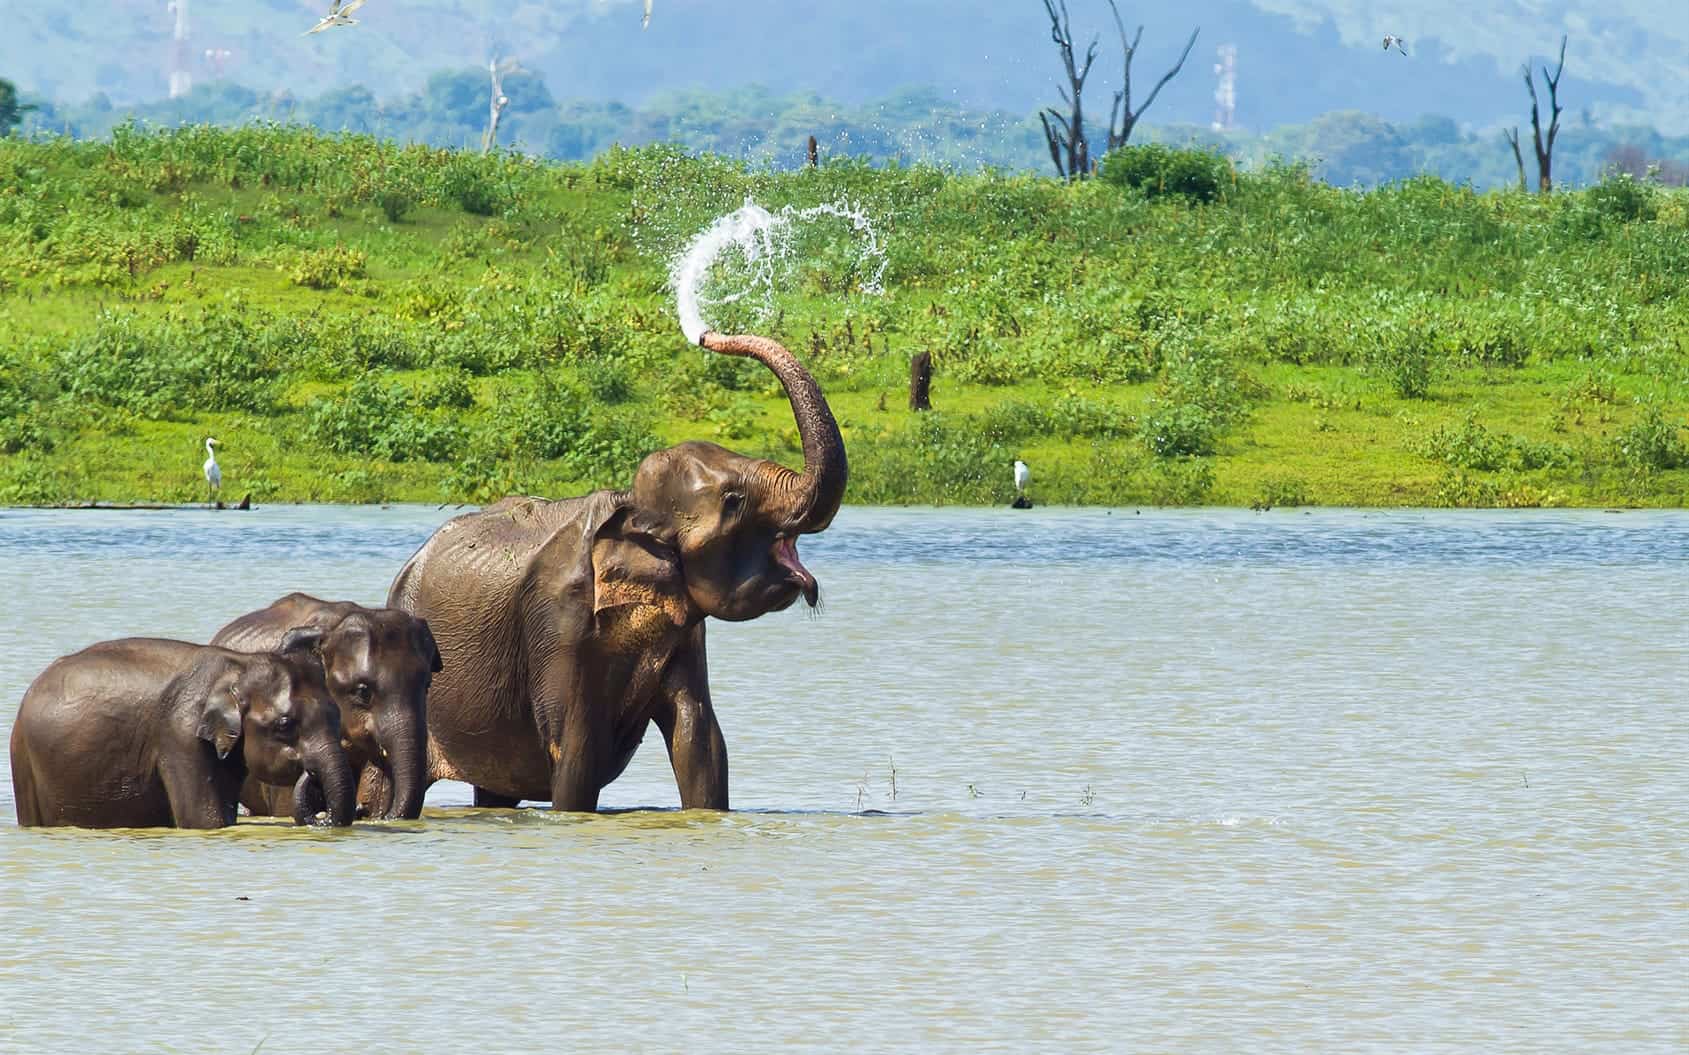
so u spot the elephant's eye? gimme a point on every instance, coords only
(732, 502)
(363, 692)
(285, 724)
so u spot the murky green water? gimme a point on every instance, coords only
(1038, 781)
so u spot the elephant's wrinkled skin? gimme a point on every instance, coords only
(378, 663)
(568, 626)
(147, 733)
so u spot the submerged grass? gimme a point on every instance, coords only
(358, 321)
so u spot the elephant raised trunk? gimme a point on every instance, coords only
(810, 499)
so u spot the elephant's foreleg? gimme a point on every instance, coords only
(697, 750)
(571, 729)
(196, 797)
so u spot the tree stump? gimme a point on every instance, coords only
(920, 382)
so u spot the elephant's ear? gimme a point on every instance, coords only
(423, 640)
(220, 720)
(635, 564)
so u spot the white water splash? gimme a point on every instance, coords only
(764, 240)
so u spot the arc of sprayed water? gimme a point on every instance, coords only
(759, 236)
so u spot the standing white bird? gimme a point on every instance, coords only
(645, 23)
(1023, 476)
(213, 474)
(338, 15)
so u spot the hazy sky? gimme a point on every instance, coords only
(1295, 58)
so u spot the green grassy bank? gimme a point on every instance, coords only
(359, 322)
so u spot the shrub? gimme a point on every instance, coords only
(1405, 362)
(1624, 198)
(1652, 442)
(474, 184)
(1162, 171)
(607, 380)
(379, 417)
(156, 367)
(1467, 445)
(448, 389)
(328, 268)
(1179, 430)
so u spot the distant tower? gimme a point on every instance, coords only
(181, 81)
(1225, 92)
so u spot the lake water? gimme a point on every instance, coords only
(1034, 781)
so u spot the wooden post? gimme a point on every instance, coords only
(920, 382)
(813, 152)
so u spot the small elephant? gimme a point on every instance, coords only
(147, 733)
(574, 625)
(378, 663)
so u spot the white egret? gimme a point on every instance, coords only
(1023, 476)
(1390, 40)
(213, 474)
(645, 23)
(338, 15)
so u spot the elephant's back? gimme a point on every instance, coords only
(484, 556)
(118, 669)
(263, 630)
(89, 700)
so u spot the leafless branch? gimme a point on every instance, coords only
(1122, 112)
(1544, 147)
(1512, 137)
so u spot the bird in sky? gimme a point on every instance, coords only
(338, 15)
(645, 23)
(1392, 41)
(213, 474)
(1023, 476)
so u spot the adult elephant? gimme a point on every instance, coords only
(570, 625)
(148, 733)
(377, 663)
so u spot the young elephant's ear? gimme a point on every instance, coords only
(301, 639)
(220, 721)
(423, 638)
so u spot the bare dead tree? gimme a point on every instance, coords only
(1512, 137)
(1065, 133)
(1122, 118)
(1545, 147)
(498, 101)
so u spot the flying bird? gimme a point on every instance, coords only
(338, 15)
(1392, 41)
(645, 23)
(1023, 476)
(213, 474)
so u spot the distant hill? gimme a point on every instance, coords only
(1296, 59)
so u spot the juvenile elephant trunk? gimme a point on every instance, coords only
(812, 497)
(326, 784)
(406, 754)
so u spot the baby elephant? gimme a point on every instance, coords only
(378, 662)
(146, 733)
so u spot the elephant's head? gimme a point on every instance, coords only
(705, 531)
(378, 663)
(275, 708)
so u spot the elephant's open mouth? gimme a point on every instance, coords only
(786, 555)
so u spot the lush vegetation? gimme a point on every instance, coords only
(360, 321)
(1345, 148)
